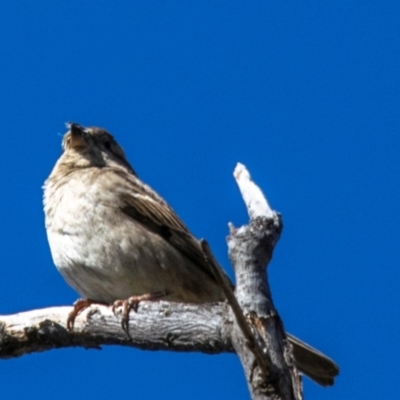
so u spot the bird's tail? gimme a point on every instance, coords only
(313, 363)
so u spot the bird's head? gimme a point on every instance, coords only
(91, 147)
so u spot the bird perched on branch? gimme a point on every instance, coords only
(116, 241)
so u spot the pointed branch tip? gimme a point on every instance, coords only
(254, 199)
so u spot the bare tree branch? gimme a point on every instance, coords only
(250, 250)
(156, 326)
(252, 344)
(251, 327)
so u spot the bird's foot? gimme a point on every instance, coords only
(79, 306)
(132, 303)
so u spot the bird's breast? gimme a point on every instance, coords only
(105, 255)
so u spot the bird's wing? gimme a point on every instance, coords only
(144, 205)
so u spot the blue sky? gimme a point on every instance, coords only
(305, 94)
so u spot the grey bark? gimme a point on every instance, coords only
(254, 330)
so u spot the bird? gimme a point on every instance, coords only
(117, 242)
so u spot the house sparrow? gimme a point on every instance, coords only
(116, 241)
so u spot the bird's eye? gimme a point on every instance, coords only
(107, 145)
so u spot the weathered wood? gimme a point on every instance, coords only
(254, 330)
(250, 250)
(156, 326)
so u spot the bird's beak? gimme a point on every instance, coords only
(77, 138)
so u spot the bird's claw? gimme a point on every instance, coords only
(79, 306)
(132, 303)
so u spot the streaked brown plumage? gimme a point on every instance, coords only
(112, 237)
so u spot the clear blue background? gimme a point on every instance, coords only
(305, 94)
